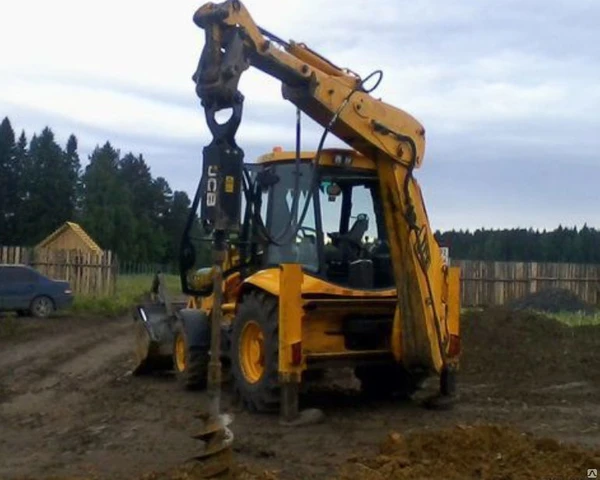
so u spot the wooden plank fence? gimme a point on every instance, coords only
(495, 283)
(88, 274)
(482, 282)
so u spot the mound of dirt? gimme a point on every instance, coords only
(552, 300)
(484, 452)
(520, 350)
(487, 452)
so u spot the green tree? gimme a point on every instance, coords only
(147, 203)
(21, 162)
(72, 166)
(174, 223)
(49, 186)
(8, 184)
(107, 213)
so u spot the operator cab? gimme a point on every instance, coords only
(341, 236)
(339, 233)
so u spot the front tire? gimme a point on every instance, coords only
(255, 352)
(189, 362)
(41, 307)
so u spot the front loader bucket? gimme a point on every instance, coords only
(153, 330)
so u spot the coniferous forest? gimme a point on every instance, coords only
(115, 197)
(125, 209)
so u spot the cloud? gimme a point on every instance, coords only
(505, 89)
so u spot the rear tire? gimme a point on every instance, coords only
(41, 307)
(255, 353)
(190, 363)
(386, 380)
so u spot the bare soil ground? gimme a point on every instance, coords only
(528, 408)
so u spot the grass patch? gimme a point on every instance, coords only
(575, 319)
(130, 289)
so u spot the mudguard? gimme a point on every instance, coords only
(197, 327)
(196, 324)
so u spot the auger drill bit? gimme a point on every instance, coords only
(221, 213)
(216, 457)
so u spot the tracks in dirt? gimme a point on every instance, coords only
(68, 407)
(33, 373)
(49, 390)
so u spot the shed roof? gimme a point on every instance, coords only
(80, 232)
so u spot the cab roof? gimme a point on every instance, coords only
(331, 157)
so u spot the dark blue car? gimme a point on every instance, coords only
(26, 291)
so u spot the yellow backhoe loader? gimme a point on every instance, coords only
(322, 259)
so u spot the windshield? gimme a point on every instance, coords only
(303, 248)
(341, 237)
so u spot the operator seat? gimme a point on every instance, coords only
(350, 242)
(344, 249)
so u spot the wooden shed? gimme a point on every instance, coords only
(70, 236)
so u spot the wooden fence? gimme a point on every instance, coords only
(482, 283)
(495, 283)
(88, 274)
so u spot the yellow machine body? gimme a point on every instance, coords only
(312, 311)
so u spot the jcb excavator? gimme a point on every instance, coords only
(295, 284)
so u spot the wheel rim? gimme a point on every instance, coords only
(42, 306)
(180, 353)
(252, 352)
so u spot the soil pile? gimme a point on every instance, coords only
(552, 300)
(486, 452)
(520, 350)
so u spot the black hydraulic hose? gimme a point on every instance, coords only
(410, 218)
(293, 220)
(315, 162)
(273, 37)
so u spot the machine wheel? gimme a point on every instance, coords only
(41, 306)
(255, 352)
(386, 380)
(190, 363)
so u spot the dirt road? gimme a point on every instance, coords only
(70, 408)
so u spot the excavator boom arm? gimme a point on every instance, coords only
(427, 312)
(315, 85)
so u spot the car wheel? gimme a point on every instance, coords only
(41, 307)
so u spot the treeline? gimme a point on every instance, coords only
(563, 244)
(125, 209)
(115, 197)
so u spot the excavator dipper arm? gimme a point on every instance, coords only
(425, 327)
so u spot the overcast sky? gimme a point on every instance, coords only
(508, 91)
